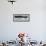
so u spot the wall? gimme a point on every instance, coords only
(37, 25)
